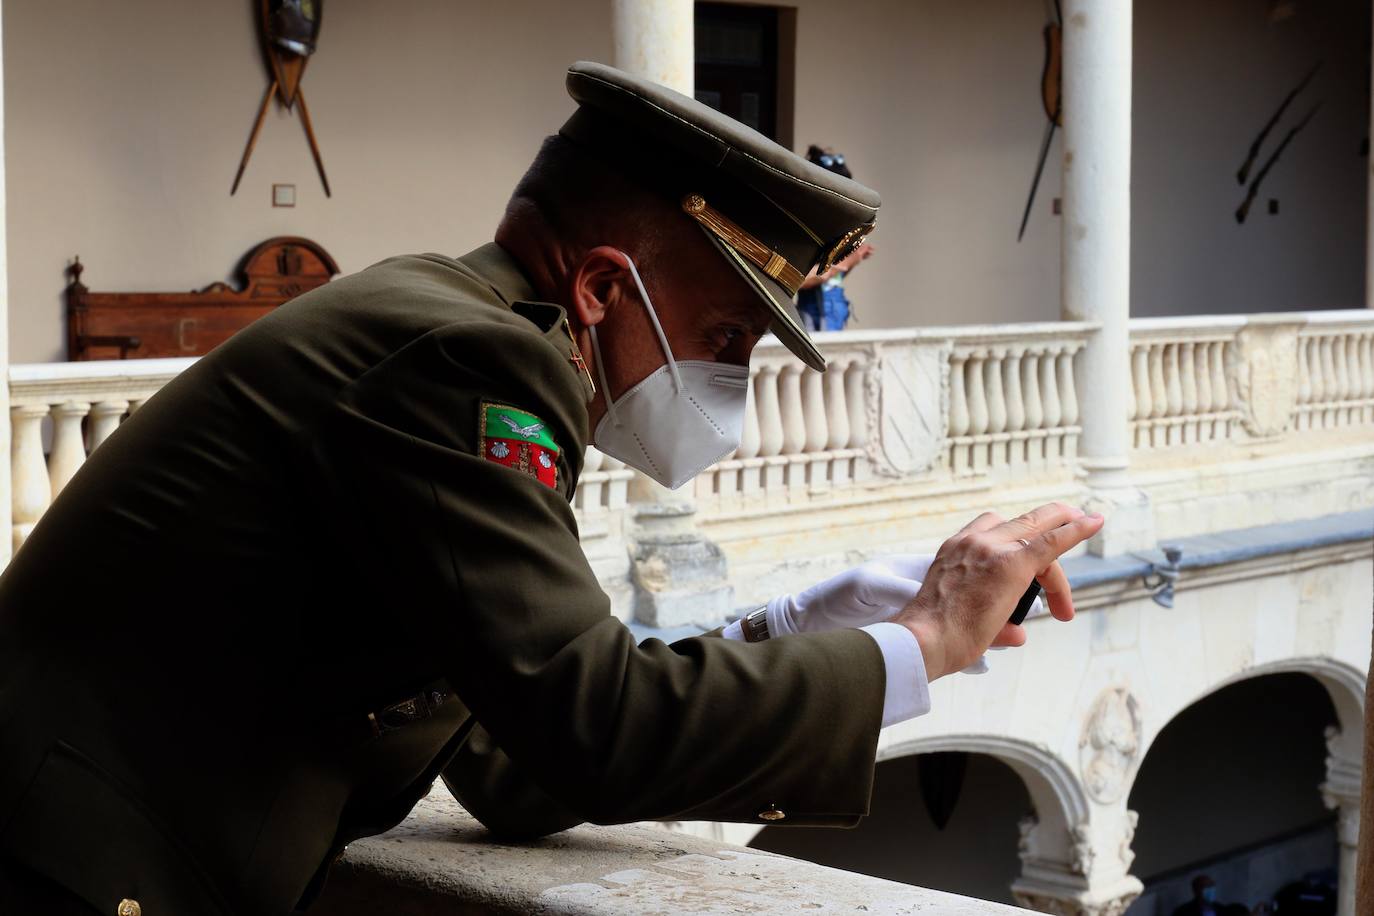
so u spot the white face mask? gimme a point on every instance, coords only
(680, 420)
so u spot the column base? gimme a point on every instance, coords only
(1108, 900)
(1130, 521)
(679, 576)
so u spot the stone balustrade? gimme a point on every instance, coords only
(926, 407)
(71, 408)
(1180, 391)
(957, 401)
(1335, 371)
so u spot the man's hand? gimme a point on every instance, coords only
(978, 575)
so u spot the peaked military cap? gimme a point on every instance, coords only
(772, 214)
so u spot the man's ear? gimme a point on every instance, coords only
(598, 283)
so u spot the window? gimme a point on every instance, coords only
(744, 65)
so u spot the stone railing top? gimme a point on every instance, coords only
(962, 332)
(1194, 324)
(440, 860)
(105, 378)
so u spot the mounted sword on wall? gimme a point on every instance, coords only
(290, 31)
(1051, 98)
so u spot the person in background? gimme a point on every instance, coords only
(821, 299)
(1204, 902)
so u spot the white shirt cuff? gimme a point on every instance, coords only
(733, 631)
(907, 694)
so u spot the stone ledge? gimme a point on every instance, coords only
(441, 861)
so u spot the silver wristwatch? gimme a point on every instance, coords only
(755, 625)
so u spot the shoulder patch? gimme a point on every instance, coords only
(519, 440)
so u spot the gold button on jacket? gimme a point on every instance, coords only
(129, 908)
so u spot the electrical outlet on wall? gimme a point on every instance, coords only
(283, 195)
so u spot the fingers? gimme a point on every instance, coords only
(1011, 635)
(1050, 545)
(1039, 520)
(1057, 592)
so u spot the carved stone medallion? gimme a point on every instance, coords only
(1110, 745)
(913, 408)
(1264, 363)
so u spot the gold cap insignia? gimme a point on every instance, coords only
(848, 243)
(129, 907)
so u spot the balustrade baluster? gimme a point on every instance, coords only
(1367, 375)
(817, 430)
(1035, 411)
(32, 488)
(1174, 390)
(1068, 399)
(958, 412)
(977, 409)
(1203, 379)
(591, 486)
(1330, 384)
(1188, 383)
(1354, 382)
(105, 417)
(1144, 402)
(1054, 412)
(793, 424)
(68, 444)
(772, 437)
(856, 398)
(1221, 389)
(997, 409)
(1304, 402)
(1016, 409)
(1159, 397)
(750, 441)
(617, 490)
(837, 420)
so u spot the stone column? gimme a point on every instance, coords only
(654, 39)
(1084, 871)
(5, 492)
(1096, 283)
(1369, 196)
(1341, 793)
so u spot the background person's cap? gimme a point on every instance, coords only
(772, 214)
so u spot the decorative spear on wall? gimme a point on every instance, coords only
(290, 30)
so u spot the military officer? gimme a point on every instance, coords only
(335, 559)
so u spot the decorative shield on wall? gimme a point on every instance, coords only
(292, 28)
(290, 32)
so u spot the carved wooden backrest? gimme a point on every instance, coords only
(145, 325)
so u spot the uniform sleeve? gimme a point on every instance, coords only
(501, 795)
(484, 562)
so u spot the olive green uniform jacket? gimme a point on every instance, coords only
(302, 530)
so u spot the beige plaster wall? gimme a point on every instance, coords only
(125, 123)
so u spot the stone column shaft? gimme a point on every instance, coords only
(1096, 229)
(6, 517)
(654, 39)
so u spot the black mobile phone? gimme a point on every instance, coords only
(1024, 605)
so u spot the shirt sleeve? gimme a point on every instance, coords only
(906, 692)
(483, 563)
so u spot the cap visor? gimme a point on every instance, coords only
(787, 323)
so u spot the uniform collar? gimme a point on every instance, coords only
(501, 272)
(503, 275)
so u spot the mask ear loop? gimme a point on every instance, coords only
(658, 328)
(601, 374)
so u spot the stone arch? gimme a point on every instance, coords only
(1060, 802)
(1343, 682)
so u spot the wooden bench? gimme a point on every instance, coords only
(145, 325)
